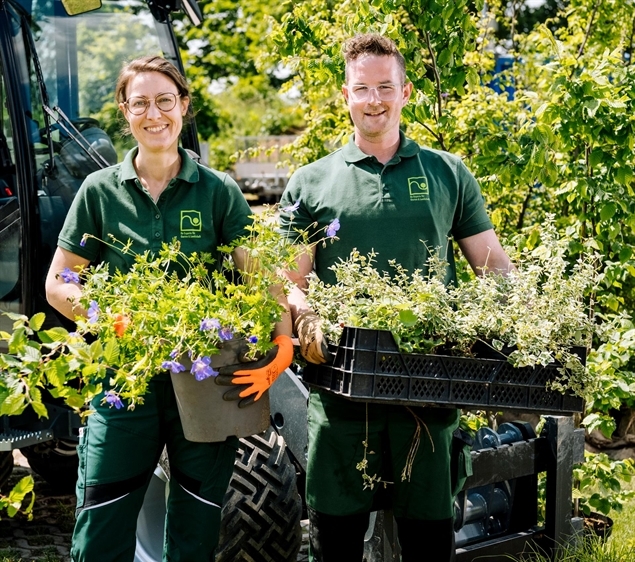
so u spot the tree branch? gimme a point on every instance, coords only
(523, 210)
(587, 33)
(437, 81)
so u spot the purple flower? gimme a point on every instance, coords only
(291, 208)
(113, 399)
(174, 353)
(225, 334)
(252, 339)
(93, 312)
(174, 366)
(73, 335)
(69, 276)
(332, 228)
(209, 324)
(201, 369)
(82, 242)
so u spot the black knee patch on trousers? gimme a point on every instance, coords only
(434, 538)
(337, 538)
(190, 484)
(103, 493)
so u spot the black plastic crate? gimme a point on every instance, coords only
(368, 366)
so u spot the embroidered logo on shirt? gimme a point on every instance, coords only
(191, 224)
(418, 188)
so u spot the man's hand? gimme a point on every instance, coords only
(255, 377)
(313, 346)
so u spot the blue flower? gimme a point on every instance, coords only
(174, 366)
(225, 334)
(82, 242)
(174, 353)
(291, 208)
(252, 339)
(93, 312)
(332, 228)
(69, 276)
(209, 324)
(201, 369)
(113, 399)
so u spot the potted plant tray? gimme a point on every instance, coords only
(368, 366)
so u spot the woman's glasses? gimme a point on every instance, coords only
(138, 105)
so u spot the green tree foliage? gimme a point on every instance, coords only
(236, 92)
(563, 143)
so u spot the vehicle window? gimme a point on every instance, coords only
(10, 287)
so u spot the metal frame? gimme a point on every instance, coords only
(555, 452)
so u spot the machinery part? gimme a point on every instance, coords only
(6, 467)
(288, 403)
(507, 433)
(261, 510)
(151, 520)
(484, 513)
(56, 461)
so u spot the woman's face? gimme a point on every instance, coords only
(154, 129)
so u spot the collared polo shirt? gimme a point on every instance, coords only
(201, 208)
(401, 210)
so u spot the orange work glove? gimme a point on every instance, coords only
(313, 346)
(255, 377)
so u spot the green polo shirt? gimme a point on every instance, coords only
(403, 209)
(200, 207)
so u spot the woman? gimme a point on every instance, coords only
(157, 193)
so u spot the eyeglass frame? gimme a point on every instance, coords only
(150, 100)
(355, 97)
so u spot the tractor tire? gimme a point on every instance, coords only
(56, 461)
(6, 468)
(262, 508)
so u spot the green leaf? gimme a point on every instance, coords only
(111, 352)
(14, 403)
(625, 254)
(607, 211)
(74, 399)
(54, 335)
(40, 409)
(96, 350)
(596, 157)
(445, 58)
(31, 354)
(408, 317)
(37, 320)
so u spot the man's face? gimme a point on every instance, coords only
(375, 94)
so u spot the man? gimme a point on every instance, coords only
(389, 195)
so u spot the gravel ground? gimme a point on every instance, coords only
(47, 537)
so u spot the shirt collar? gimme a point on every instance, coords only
(188, 172)
(407, 148)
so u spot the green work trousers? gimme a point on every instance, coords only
(118, 453)
(338, 429)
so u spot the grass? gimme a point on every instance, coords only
(45, 555)
(620, 547)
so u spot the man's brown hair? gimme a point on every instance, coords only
(372, 44)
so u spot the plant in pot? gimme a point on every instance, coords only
(601, 488)
(170, 311)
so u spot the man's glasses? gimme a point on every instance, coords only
(385, 92)
(138, 105)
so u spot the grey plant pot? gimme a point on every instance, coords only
(205, 416)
